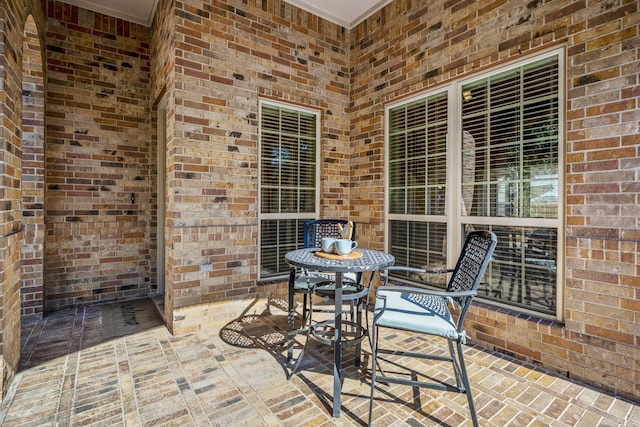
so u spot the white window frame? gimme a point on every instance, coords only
(453, 211)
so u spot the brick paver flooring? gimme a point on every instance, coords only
(72, 375)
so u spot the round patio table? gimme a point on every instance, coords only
(371, 260)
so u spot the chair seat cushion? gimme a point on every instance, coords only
(416, 312)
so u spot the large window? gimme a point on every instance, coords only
(483, 153)
(288, 181)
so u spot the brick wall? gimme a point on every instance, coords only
(14, 65)
(413, 46)
(11, 233)
(97, 159)
(33, 120)
(227, 56)
(162, 73)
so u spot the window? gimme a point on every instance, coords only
(499, 171)
(417, 156)
(288, 181)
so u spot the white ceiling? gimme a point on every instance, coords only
(347, 13)
(140, 11)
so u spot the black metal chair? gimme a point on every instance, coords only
(311, 283)
(428, 311)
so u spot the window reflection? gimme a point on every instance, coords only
(524, 268)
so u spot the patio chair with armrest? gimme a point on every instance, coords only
(428, 312)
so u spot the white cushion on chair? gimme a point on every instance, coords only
(416, 312)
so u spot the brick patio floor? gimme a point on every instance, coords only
(72, 375)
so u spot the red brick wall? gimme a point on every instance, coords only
(97, 159)
(11, 233)
(162, 73)
(227, 56)
(33, 120)
(13, 69)
(413, 46)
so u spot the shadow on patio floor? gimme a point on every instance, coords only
(72, 375)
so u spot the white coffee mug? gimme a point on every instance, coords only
(345, 246)
(328, 244)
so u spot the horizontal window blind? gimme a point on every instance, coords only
(417, 157)
(288, 165)
(513, 120)
(288, 172)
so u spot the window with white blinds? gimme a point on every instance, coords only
(289, 138)
(513, 119)
(417, 180)
(500, 172)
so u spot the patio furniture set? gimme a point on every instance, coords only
(319, 269)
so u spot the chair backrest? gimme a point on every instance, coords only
(315, 230)
(472, 263)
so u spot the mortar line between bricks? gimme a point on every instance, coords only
(198, 414)
(31, 342)
(128, 396)
(71, 364)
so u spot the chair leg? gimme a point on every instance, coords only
(296, 366)
(306, 322)
(373, 336)
(358, 349)
(304, 308)
(456, 366)
(459, 367)
(371, 344)
(465, 383)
